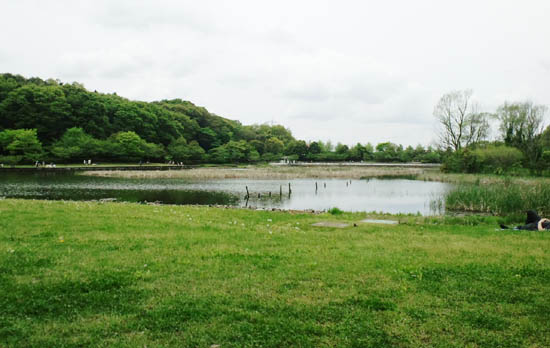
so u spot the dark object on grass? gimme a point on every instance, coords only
(533, 223)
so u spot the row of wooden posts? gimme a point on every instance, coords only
(280, 192)
(289, 190)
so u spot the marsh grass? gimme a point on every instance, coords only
(500, 198)
(126, 275)
(266, 172)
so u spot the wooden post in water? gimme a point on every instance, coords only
(281, 191)
(247, 193)
(269, 193)
(289, 189)
(316, 187)
(325, 185)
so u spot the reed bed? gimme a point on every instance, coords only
(500, 198)
(271, 172)
(477, 179)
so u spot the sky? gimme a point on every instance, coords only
(345, 71)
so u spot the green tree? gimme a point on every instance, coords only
(75, 145)
(20, 145)
(43, 108)
(258, 146)
(357, 152)
(207, 138)
(521, 126)
(195, 152)
(274, 146)
(387, 152)
(128, 146)
(180, 151)
(314, 148)
(297, 148)
(369, 152)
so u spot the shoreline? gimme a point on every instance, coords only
(165, 167)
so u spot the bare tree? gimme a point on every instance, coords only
(460, 122)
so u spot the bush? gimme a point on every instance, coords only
(497, 159)
(489, 159)
(335, 211)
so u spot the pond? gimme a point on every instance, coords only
(381, 195)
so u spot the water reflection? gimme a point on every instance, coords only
(391, 196)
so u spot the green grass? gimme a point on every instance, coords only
(76, 274)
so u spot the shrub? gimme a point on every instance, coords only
(497, 159)
(488, 159)
(335, 211)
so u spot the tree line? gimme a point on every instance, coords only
(52, 121)
(522, 142)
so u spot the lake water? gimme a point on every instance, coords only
(381, 195)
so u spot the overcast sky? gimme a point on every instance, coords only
(348, 71)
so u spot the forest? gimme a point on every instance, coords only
(52, 121)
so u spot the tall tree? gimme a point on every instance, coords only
(521, 126)
(460, 122)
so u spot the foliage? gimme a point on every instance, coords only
(129, 146)
(297, 148)
(495, 159)
(20, 145)
(521, 126)
(56, 110)
(234, 152)
(76, 124)
(274, 145)
(76, 145)
(387, 152)
(335, 211)
(180, 151)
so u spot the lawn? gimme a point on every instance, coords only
(76, 274)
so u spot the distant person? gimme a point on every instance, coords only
(533, 223)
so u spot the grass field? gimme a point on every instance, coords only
(76, 274)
